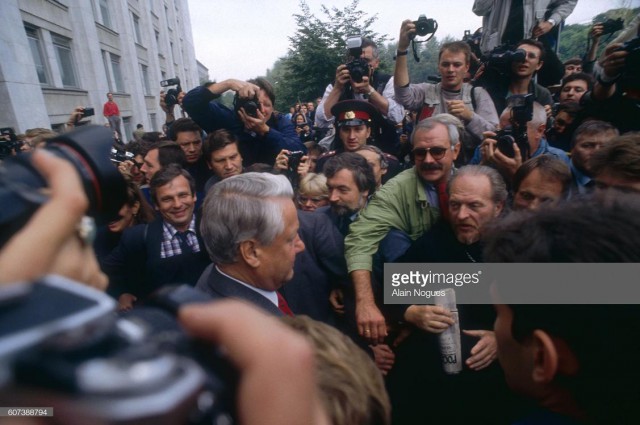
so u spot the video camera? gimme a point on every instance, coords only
(9, 143)
(521, 114)
(171, 97)
(358, 67)
(61, 345)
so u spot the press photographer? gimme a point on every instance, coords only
(358, 78)
(261, 131)
(522, 136)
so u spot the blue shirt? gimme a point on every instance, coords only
(544, 148)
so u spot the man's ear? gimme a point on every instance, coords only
(552, 357)
(456, 151)
(249, 252)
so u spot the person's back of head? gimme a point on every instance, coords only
(170, 153)
(351, 387)
(590, 378)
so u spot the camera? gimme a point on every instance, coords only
(88, 149)
(425, 26)
(117, 156)
(293, 160)
(61, 341)
(612, 25)
(171, 97)
(501, 59)
(521, 114)
(632, 60)
(358, 67)
(250, 105)
(88, 112)
(9, 143)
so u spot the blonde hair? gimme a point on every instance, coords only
(314, 183)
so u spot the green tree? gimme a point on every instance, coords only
(316, 49)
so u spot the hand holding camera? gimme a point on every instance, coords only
(501, 150)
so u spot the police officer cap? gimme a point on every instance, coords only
(354, 112)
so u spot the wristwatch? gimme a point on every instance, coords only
(552, 21)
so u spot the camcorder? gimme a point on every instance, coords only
(87, 149)
(9, 143)
(358, 67)
(612, 25)
(171, 97)
(62, 345)
(425, 26)
(521, 114)
(250, 105)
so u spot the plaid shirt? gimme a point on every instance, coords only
(170, 244)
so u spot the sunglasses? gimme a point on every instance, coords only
(436, 153)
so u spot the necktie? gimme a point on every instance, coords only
(443, 200)
(283, 306)
(184, 242)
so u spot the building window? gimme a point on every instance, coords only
(145, 80)
(117, 73)
(128, 129)
(36, 52)
(64, 56)
(104, 13)
(154, 122)
(136, 28)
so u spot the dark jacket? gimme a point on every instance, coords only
(135, 266)
(213, 116)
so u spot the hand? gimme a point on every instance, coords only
(492, 155)
(244, 89)
(613, 61)
(76, 116)
(126, 301)
(342, 77)
(596, 32)
(254, 124)
(371, 324)
(458, 109)
(270, 390)
(282, 161)
(336, 299)
(407, 33)
(384, 357)
(163, 104)
(125, 167)
(484, 352)
(303, 166)
(362, 87)
(542, 28)
(431, 318)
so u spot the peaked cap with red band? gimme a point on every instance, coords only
(354, 112)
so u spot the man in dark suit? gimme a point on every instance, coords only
(167, 251)
(250, 229)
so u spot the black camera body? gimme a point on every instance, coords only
(9, 143)
(250, 105)
(425, 26)
(358, 67)
(117, 156)
(521, 114)
(171, 97)
(500, 59)
(612, 25)
(293, 160)
(61, 339)
(632, 60)
(88, 111)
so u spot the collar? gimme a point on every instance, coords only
(270, 295)
(580, 178)
(171, 231)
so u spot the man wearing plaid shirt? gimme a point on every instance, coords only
(167, 251)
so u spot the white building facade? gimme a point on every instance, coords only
(59, 54)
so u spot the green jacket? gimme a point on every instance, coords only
(400, 204)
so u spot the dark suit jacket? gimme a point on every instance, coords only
(219, 286)
(135, 266)
(318, 269)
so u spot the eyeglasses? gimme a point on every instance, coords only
(315, 200)
(436, 153)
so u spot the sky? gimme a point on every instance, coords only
(243, 38)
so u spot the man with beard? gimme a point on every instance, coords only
(477, 196)
(411, 203)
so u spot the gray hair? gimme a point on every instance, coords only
(240, 208)
(499, 191)
(453, 124)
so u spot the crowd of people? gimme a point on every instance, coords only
(296, 214)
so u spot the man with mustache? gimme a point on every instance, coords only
(410, 203)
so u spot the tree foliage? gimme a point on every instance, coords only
(315, 51)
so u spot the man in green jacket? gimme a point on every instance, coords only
(410, 203)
